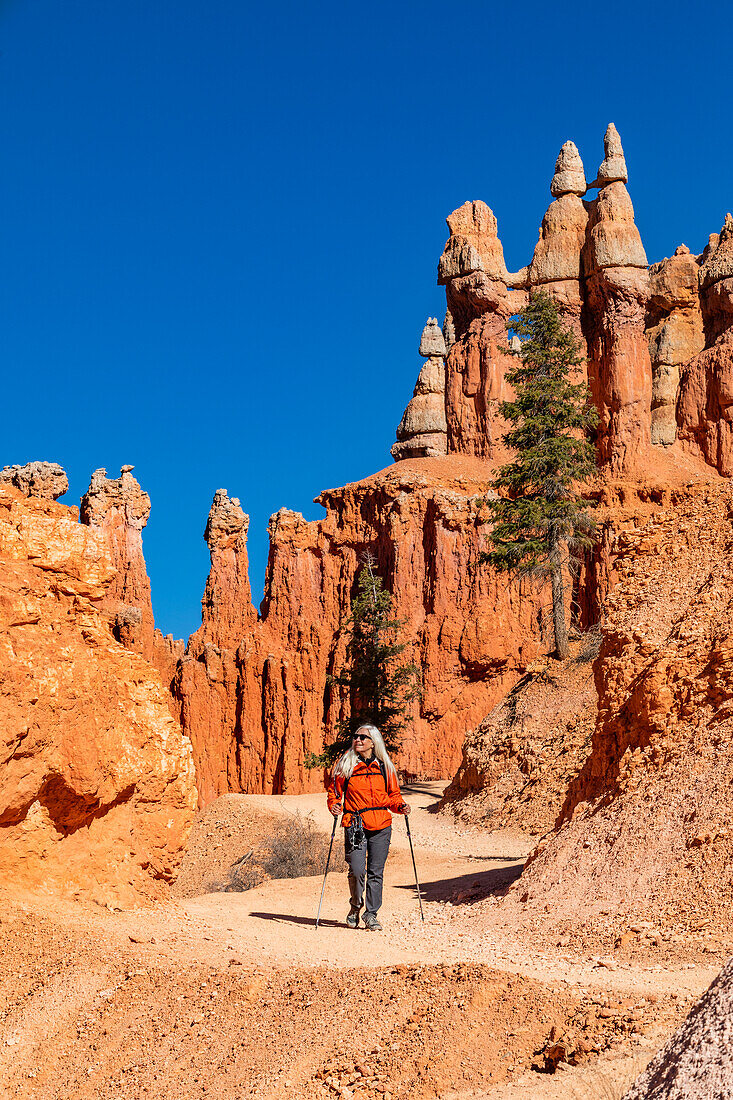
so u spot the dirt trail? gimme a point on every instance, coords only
(154, 1002)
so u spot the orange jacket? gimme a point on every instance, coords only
(367, 788)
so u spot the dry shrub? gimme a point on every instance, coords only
(610, 1082)
(590, 645)
(294, 848)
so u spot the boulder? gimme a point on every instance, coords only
(697, 1061)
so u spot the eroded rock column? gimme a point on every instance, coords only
(556, 264)
(119, 508)
(675, 333)
(705, 408)
(422, 432)
(481, 295)
(207, 678)
(617, 290)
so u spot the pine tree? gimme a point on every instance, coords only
(541, 522)
(378, 688)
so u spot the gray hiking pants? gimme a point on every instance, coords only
(367, 863)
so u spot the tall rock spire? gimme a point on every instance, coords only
(422, 432)
(675, 332)
(119, 508)
(704, 407)
(617, 290)
(556, 264)
(472, 267)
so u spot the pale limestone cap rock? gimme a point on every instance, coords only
(569, 178)
(432, 341)
(613, 169)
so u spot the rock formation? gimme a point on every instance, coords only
(658, 775)
(119, 509)
(569, 178)
(705, 408)
(590, 259)
(698, 1059)
(96, 779)
(254, 690)
(255, 697)
(616, 293)
(207, 679)
(481, 296)
(422, 431)
(556, 264)
(613, 167)
(675, 334)
(44, 480)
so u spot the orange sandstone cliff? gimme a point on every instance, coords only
(97, 785)
(253, 688)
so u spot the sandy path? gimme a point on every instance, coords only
(276, 921)
(231, 946)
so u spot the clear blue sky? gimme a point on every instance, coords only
(220, 222)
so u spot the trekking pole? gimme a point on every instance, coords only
(412, 853)
(330, 848)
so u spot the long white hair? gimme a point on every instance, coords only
(345, 764)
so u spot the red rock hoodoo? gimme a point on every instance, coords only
(705, 408)
(253, 689)
(119, 509)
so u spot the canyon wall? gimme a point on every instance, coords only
(96, 778)
(255, 696)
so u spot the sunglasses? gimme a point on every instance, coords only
(361, 737)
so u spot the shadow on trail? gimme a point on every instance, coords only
(467, 888)
(290, 918)
(421, 788)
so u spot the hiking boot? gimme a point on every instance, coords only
(352, 921)
(371, 923)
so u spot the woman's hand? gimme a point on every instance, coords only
(336, 809)
(404, 809)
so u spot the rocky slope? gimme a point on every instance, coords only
(96, 779)
(518, 763)
(657, 779)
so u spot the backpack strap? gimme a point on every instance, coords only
(383, 770)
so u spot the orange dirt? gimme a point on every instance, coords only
(237, 995)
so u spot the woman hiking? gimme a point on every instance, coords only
(364, 787)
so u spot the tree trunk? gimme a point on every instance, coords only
(558, 608)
